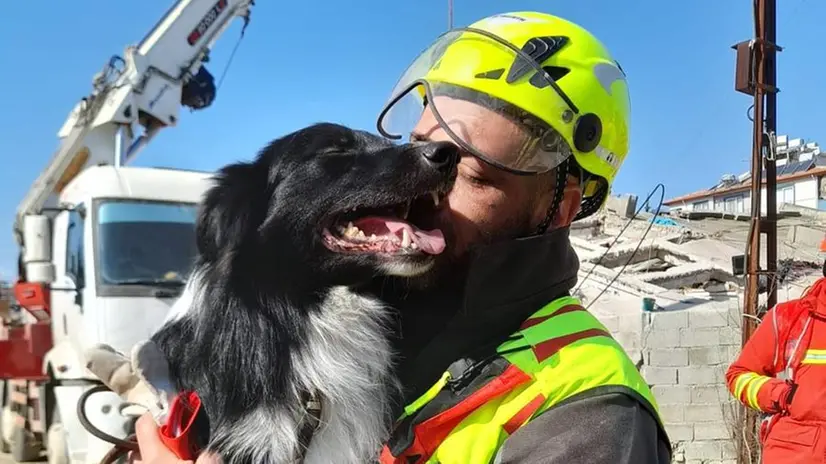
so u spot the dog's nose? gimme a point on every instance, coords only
(441, 155)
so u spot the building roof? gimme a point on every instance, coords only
(816, 166)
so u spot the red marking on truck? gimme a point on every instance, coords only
(206, 22)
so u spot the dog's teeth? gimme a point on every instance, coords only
(340, 229)
(352, 231)
(407, 209)
(372, 237)
(405, 238)
(435, 197)
(414, 245)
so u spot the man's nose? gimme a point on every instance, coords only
(441, 155)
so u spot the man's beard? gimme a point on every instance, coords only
(450, 269)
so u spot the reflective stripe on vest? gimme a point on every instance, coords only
(560, 351)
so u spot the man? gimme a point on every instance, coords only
(499, 363)
(790, 342)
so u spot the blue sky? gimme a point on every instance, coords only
(313, 60)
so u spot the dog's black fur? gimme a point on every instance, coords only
(267, 287)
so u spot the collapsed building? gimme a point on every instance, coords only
(670, 289)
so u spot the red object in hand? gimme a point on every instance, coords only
(175, 434)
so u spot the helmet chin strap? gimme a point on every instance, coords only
(562, 172)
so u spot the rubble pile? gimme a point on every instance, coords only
(679, 255)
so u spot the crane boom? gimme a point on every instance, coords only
(145, 88)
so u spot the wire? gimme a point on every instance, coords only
(84, 419)
(122, 446)
(659, 186)
(599, 261)
(232, 54)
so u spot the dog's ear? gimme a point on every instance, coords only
(232, 209)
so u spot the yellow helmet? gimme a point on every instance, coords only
(551, 76)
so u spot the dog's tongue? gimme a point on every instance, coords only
(430, 242)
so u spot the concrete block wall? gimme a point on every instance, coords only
(685, 356)
(683, 353)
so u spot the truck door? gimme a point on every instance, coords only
(67, 291)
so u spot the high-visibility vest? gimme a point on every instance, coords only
(560, 351)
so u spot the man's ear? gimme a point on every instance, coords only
(569, 206)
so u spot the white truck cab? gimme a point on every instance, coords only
(122, 247)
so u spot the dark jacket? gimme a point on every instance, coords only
(505, 284)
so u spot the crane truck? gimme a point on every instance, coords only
(105, 248)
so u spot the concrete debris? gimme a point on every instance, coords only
(651, 265)
(684, 253)
(733, 216)
(623, 205)
(791, 270)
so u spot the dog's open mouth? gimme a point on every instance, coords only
(383, 230)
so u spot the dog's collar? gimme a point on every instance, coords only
(309, 423)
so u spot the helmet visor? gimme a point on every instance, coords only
(451, 96)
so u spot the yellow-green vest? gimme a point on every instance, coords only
(560, 351)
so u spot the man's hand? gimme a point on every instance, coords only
(142, 380)
(786, 396)
(152, 449)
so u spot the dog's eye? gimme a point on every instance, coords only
(332, 151)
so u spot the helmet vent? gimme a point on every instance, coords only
(539, 81)
(493, 74)
(539, 49)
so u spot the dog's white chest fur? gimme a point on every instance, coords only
(346, 358)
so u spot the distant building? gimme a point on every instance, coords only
(801, 181)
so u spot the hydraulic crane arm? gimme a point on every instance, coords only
(145, 88)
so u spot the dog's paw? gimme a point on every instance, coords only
(112, 368)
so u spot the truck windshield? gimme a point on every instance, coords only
(145, 243)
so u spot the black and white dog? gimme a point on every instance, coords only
(275, 318)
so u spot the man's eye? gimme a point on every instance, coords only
(475, 179)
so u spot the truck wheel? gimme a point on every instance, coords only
(57, 450)
(24, 446)
(6, 429)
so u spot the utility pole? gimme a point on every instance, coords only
(449, 14)
(756, 75)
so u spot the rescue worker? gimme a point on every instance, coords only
(789, 342)
(499, 363)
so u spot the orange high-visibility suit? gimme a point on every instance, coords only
(791, 340)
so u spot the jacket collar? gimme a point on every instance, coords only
(505, 274)
(815, 298)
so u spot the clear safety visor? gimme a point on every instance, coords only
(430, 97)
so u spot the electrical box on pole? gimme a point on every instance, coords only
(744, 68)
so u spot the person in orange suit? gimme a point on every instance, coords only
(781, 372)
